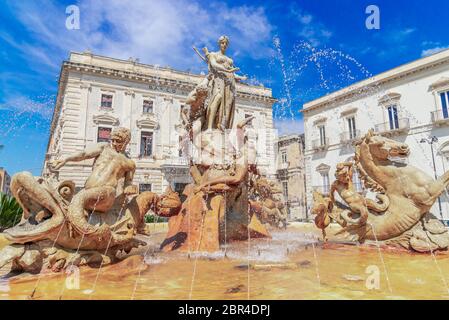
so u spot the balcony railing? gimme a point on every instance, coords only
(283, 166)
(349, 136)
(320, 144)
(176, 162)
(400, 125)
(440, 116)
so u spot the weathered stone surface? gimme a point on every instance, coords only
(400, 216)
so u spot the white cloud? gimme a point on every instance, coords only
(289, 126)
(406, 31)
(313, 31)
(157, 32)
(429, 52)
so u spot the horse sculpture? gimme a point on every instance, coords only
(409, 192)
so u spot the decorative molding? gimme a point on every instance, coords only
(105, 119)
(320, 120)
(439, 84)
(108, 90)
(130, 93)
(87, 86)
(390, 97)
(323, 168)
(161, 84)
(148, 123)
(349, 111)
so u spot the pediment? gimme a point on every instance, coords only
(149, 123)
(349, 111)
(106, 119)
(319, 120)
(323, 168)
(390, 97)
(440, 83)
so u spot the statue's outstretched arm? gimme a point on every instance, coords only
(88, 153)
(240, 78)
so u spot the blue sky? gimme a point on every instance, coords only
(301, 49)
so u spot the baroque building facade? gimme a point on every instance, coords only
(99, 93)
(291, 175)
(409, 104)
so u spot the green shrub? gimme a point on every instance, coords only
(10, 212)
(150, 218)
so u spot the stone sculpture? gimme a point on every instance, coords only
(406, 195)
(217, 208)
(60, 227)
(266, 200)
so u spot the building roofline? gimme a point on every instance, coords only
(159, 68)
(386, 76)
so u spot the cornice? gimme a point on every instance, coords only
(373, 83)
(153, 80)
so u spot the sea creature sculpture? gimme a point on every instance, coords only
(408, 192)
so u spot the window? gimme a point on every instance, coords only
(181, 146)
(393, 117)
(356, 181)
(352, 129)
(146, 144)
(106, 101)
(322, 135)
(148, 106)
(445, 103)
(326, 184)
(285, 189)
(284, 157)
(104, 134)
(144, 187)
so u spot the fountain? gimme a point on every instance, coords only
(224, 218)
(405, 195)
(217, 209)
(62, 228)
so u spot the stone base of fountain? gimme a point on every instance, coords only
(207, 221)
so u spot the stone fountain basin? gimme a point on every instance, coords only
(292, 265)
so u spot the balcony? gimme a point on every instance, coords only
(175, 162)
(175, 166)
(387, 128)
(439, 117)
(320, 145)
(348, 136)
(283, 166)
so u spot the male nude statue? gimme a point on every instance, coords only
(112, 175)
(345, 188)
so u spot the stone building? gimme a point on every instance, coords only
(5, 181)
(99, 93)
(408, 103)
(291, 175)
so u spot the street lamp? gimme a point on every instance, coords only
(431, 140)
